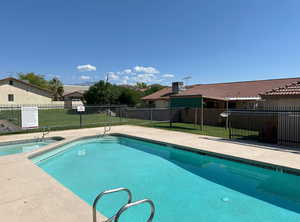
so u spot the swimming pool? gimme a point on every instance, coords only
(14, 147)
(184, 186)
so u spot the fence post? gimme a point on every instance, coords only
(80, 116)
(229, 125)
(202, 114)
(196, 117)
(170, 117)
(227, 118)
(120, 114)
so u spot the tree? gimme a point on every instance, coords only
(102, 93)
(129, 97)
(57, 88)
(153, 88)
(141, 85)
(54, 85)
(34, 79)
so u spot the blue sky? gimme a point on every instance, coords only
(151, 40)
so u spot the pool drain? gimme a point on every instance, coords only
(225, 199)
(81, 153)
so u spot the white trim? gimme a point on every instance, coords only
(243, 98)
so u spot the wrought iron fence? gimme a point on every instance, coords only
(278, 125)
(61, 117)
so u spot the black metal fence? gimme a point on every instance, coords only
(61, 117)
(278, 125)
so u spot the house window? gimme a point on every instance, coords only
(10, 97)
(11, 82)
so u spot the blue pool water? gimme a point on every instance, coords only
(21, 147)
(184, 186)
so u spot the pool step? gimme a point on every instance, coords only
(109, 139)
(115, 218)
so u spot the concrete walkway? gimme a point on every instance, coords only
(30, 194)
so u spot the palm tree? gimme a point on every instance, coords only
(57, 88)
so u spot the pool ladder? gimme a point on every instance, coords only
(45, 131)
(129, 204)
(107, 129)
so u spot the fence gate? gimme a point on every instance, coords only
(271, 126)
(289, 127)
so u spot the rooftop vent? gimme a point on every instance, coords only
(177, 87)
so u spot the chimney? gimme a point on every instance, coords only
(177, 87)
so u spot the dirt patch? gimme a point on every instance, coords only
(6, 126)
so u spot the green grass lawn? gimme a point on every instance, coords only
(191, 128)
(60, 118)
(216, 131)
(13, 116)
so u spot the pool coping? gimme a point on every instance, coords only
(256, 163)
(55, 138)
(19, 169)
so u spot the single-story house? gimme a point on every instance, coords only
(73, 95)
(74, 92)
(288, 95)
(14, 91)
(18, 92)
(219, 95)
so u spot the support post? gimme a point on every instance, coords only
(230, 135)
(227, 118)
(170, 116)
(196, 117)
(80, 114)
(120, 113)
(202, 128)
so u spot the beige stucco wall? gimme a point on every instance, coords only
(23, 94)
(161, 104)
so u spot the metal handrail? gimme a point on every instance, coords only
(124, 208)
(45, 131)
(106, 130)
(108, 192)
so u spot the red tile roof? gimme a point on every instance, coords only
(245, 89)
(289, 90)
(160, 94)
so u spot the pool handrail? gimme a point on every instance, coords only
(107, 128)
(45, 131)
(109, 192)
(125, 207)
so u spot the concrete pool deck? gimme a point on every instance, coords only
(30, 194)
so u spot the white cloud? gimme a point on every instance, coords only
(85, 77)
(150, 70)
(146, 77)
(168, 76)
(127, 71)
(139, 74)
(125, 80)
(112, 76)
(87, 68)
